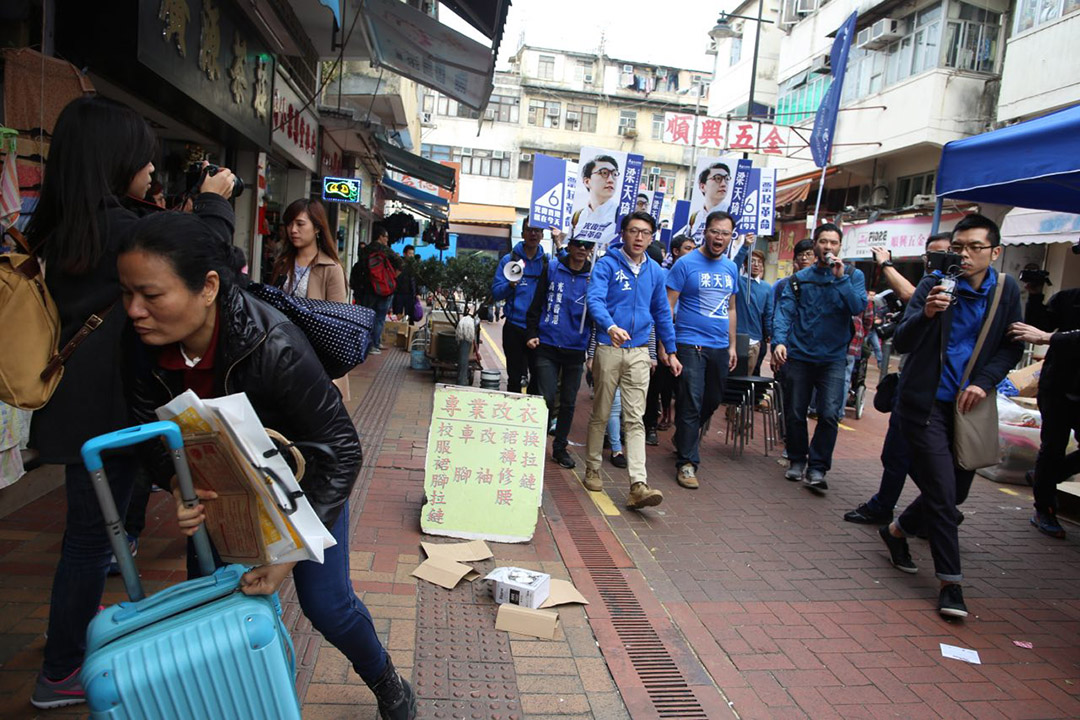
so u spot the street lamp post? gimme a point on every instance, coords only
(723, 30)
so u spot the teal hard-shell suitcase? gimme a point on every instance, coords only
(200, 649)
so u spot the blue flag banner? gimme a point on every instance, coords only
(680, 218)
(740, 185)
(821, 139)
(547, 208)
(657, 204)
(631, 180)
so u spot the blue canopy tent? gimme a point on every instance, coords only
(1034, 164)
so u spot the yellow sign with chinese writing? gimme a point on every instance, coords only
(485, 464)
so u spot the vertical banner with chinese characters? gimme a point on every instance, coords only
(740, 188)
(631, 180)
(485, 464)
(766, 202)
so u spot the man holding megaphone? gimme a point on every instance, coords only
(515, 281)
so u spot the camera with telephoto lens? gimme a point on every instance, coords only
(1035, 277)
(197, 172)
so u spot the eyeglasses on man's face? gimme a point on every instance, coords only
(971, 248)
(805, 255)
(719, 233)
(720, 178)
(638, 231)
(606, 173)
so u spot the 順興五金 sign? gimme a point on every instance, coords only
(341, 189)
(485, 464)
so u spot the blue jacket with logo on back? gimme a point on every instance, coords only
(617, 296)
(518, 296)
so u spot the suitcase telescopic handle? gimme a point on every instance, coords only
(114, 527)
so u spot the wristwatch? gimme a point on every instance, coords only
(887, 263)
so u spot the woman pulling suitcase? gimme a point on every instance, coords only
(200, 331)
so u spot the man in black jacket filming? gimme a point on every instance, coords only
(940, 330)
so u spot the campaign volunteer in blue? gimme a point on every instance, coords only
(519, 296)
(558, 337)
(703, 284)
(755, 304)
(626, 298)
(811, 333)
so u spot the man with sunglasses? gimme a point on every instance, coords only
(714, 183)
(519, 296)
(703, 283)
(939, 330)
(626, 298)
(596, 221)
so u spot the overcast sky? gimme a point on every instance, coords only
(673, 33)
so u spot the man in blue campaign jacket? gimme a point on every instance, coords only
(939, 331)
(626, 297)
(811, 335)
(755, 306)
(558, 337)
(518, 296)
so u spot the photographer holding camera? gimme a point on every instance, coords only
(1056, 324)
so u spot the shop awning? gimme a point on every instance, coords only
(415, 194)
(425, 210)
(1033, 164)
(487, 16)
(1039, 227)
(793, 193)
(416, 166)
(476, 214)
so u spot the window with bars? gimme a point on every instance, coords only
(971, 40)
(544, 113)
(581, 117)
(627, 122)
(545, 69)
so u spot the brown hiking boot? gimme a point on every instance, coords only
(593, 482)
(641, 495)
(687, 477)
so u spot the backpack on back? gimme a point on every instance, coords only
(382, 273)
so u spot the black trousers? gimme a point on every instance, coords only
(519, 359)
(943, 486)
(659, 396)
(551, 362)
(1060, 418)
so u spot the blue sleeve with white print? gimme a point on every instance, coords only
(705, 290)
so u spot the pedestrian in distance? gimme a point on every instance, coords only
(193, 328)
(558, 334)
(940, 331)
(754, 302)
(518, 295)
(811, 334)
(101, 153)
(703, 284)
(626, 299)
(373, 279)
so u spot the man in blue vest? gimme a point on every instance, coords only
(558, 337)
(754, 302)
(626, 298)
(811, 335)
(518, 296)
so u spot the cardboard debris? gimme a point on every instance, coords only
(525, 621)
(443, 572)
(1026, 379)
(518, 586)
(563, 593)
(958, 653)
(472, 551)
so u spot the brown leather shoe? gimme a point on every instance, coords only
(641, 495)
(593, 482)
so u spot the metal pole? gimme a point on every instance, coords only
(937, 215)
(693, 147)
(821, 188)
(753, 64)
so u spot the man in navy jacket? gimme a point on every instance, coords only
(626, 297)
(811, 333)
(518, 296)
(939, 331)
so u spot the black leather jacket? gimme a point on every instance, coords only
(261, 353)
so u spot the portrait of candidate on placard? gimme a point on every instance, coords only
(596, 202)
(712, 192)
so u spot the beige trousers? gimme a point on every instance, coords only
(627, 369)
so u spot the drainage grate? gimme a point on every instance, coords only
(661, 678)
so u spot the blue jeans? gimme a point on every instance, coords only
(614, 423)
(328, 600)
(549, 362)
(828, 379)
(84, 562)
(699, 392)
(381, 305)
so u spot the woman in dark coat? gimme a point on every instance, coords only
(197, 331)
(100, 155)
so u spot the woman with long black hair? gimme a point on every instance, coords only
(101, 155)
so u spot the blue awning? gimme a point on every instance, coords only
(1034, 164)
(415, 193)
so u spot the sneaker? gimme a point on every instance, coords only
(57, 693)
(641, 495)
(133, 545)
(651, 438)
(618, 460)
(563, 458)
(593, 481)
(1047, 523)
(950, 602)
(375, 351)
(864, 515)
(687, 477)
(815, 480)
(795, 472)
(899, 554)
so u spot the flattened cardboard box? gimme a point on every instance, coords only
(526, 621)
(444, 572)
(471, 551)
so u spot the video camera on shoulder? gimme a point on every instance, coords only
(197, 172)
(1035, 277)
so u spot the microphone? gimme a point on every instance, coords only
(832, 261)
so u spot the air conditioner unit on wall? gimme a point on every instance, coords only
(497, 154)
(628, 69)
(880, 34)
(805, 7)
(553, 112)
(526, 157)
(654, 170)
(425, 118)
(588, 78)
(923, 200)
(821, 65)
(572, 116)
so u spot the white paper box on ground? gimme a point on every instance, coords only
(517, 586)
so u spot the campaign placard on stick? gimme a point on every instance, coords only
(713, 179)
(740, 193)
(554, 181)
(607, 190)
(766, 224)
(485, 464)
(680, 219)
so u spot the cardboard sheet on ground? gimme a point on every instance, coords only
(444, 572)
(484, 474)
(525, 621)
(563, 593)
(472, 551)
